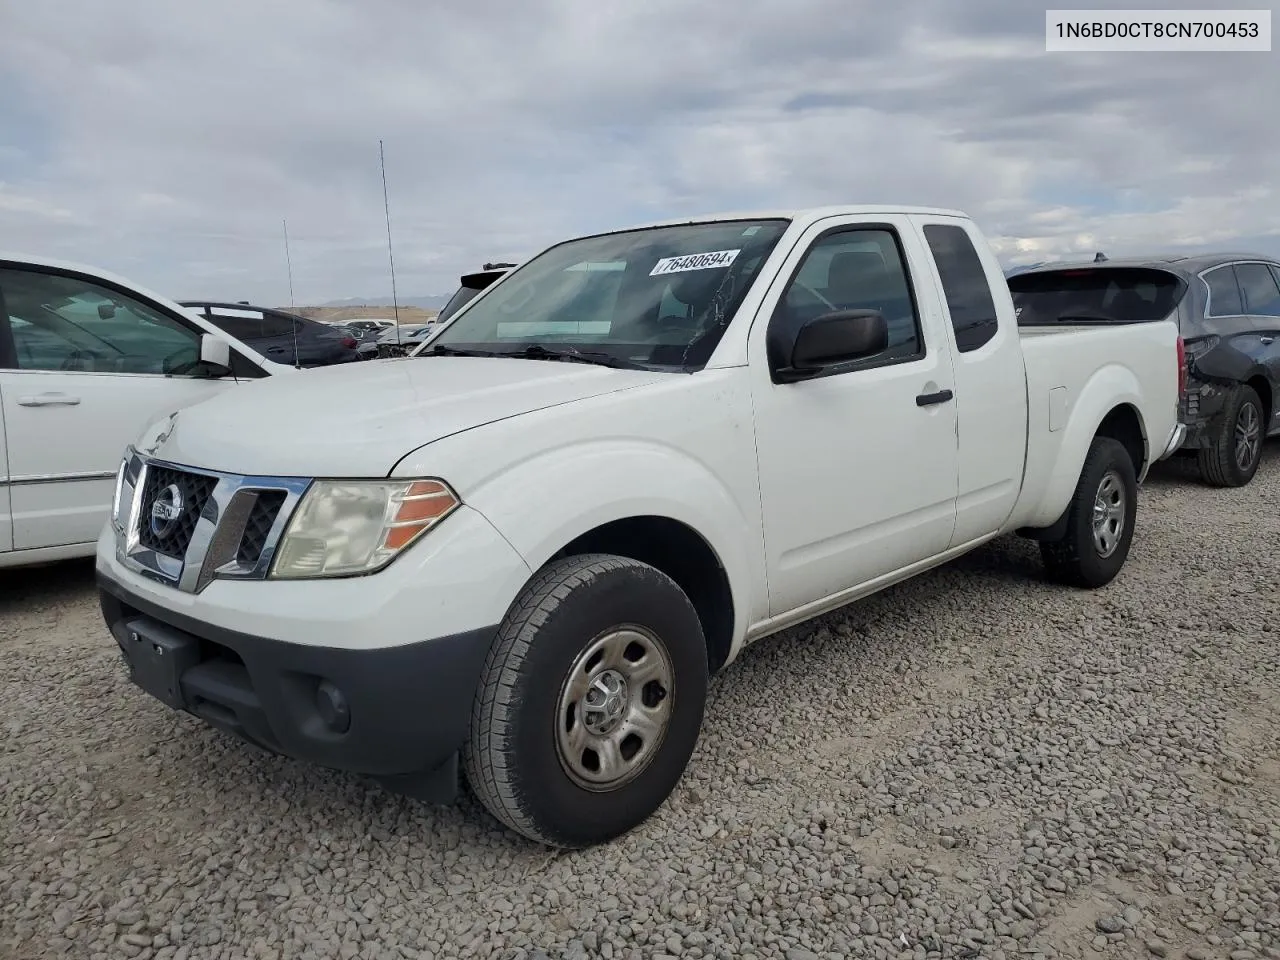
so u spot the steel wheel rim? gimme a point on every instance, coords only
(1248, 433)
(614, 708)
(1108, 514)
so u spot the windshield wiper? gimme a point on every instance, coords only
(537, 351)
(440, 350)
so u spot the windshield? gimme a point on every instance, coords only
(661, 296)
(1101, 294)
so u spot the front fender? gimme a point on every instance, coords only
(1058, 470)
(542, 503)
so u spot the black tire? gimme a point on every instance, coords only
(513, 756)
(1220, 464)
(1077, 560)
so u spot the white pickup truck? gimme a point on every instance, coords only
(87, 359)
(524, 549)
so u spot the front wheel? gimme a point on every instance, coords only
(591, 701)
(1100, 519)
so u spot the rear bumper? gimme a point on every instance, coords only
(1176, 438)
(399, 714)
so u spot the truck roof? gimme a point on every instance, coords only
(803, 215)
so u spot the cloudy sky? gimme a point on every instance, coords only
(167, 141)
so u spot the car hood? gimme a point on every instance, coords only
(360, 420)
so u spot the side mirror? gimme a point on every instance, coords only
(837, 337)
(106, 311)
(215, 352)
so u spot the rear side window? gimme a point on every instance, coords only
(1101, 295)
(1258, 286)
(1224, 293)
(255, 328)
(965, 285)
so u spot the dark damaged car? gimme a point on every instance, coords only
(1227, 306)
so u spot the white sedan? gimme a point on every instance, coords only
(88, 359)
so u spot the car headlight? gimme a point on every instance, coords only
(349, 527)
(126, 489)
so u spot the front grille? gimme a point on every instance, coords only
(189, 526)
(171, 537)
(258, 526)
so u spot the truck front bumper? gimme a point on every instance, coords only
(398, 714)
(373, 675)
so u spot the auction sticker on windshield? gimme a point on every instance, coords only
(694, 261)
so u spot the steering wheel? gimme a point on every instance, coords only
(171, 366)
(816, 295)
(78, 360)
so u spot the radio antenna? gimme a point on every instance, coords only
(293, 323)
(386, 206)
(288, 263)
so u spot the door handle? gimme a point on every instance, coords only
(49, 400)
(928, 399)
(1266, 340)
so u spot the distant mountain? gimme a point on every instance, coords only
(427, 303)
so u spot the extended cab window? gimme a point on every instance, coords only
(1094, 295)
(61, 322)
(1258, 286)
(1224, 293)
(857, 268)
(964, 284)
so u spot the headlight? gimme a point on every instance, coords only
(346, 527)
(126, 488)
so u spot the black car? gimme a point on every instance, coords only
(278, 335)
(1227, 306)
(472, 284)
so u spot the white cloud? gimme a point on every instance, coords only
(169, 141)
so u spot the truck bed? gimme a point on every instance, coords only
(1072, 372)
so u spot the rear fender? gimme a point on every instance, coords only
(1111, 386)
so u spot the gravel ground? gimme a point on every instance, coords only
(974, 764)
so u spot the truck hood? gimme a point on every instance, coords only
(360, 419)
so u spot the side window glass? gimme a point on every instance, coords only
(252, 324)
(859, 268)
(66, 323)
(964, 284)
(1261, 295)
(1224, 294)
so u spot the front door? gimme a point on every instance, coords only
(83, 370)
(6, 514)
(858, 466)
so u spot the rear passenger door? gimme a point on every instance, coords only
(1247, 337)
(989, 376)
(1260, 292)
(857, 464)
(6, 512)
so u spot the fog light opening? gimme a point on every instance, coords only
(333, 707)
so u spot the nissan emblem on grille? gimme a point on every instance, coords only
(166, 510)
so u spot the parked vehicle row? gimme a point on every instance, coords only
(284, 337)
(522, 551)
(87, 358)
(1227, 308)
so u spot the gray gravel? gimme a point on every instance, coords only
(974, 764)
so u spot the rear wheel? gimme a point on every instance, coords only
(1100, 519)
(591, 701)
(1233, 455)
